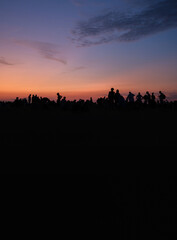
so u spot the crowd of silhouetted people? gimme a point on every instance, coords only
(113, 100)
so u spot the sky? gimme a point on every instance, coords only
(82, 48)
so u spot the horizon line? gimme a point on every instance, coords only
(76, 95)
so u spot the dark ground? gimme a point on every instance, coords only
(141, 207)
(96, 127)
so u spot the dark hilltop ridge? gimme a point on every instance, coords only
(114, 120)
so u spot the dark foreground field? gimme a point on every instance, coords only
(140, 207)
(114, 127)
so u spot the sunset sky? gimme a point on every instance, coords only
(82, 48)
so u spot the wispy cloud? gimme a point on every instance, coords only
(3, 61)
(46, 50)
(78, 68)
(74, 69)
(157, 16)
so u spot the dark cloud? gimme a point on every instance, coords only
(127, 26)
(46, 50)
(3, 61)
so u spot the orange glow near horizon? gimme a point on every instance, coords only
(40, 80)
(44, 50)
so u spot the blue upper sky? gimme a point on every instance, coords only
(88, 45)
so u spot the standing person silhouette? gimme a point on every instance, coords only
(148, 97)
(33, 99)
(59, 97)
(29, 99)
(111, 97)
(117, 97)
(162, 97)
(130, 97)
(139, 98)
(153, 99)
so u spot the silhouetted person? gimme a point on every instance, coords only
(147, 98)
(100, 101)
(35, 99)
(16, 102)
(111, 96)
(162, 97)
(59, 97)
(121, 101)
(153, 99)
(29, 99)
(45, 100)
(139, 98)
(63, 102)
(130, 97)
(117, 97)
